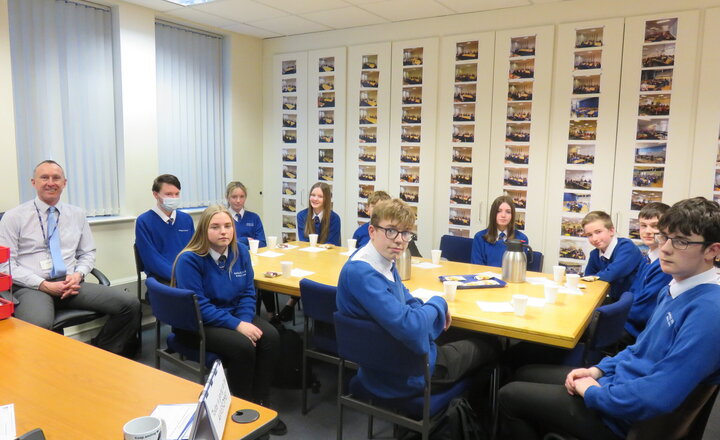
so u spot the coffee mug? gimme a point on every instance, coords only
(145, 428)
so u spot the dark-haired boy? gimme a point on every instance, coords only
(678, 350)
(650, 279)
(163, 231)
(614, 259)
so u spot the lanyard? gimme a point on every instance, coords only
(42, 228)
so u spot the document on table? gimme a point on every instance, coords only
(426, 265)
(7, 422)
(313, 249)
(178, 419)
(270, 254)
(299, 273)
(426, 294)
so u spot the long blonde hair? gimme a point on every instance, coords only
(326, 209)
(200, 244)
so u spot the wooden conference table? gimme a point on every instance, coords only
(560, 324)
(75, 391)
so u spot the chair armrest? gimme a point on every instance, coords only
(102, 279)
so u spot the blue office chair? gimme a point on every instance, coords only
(456, 248)
(603, 333)
(178, 308)
(370, 346)
(535, 263)
(319, 328)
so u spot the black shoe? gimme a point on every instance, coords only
(279, 429)
(287, 313)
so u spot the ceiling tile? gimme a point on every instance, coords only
(462, 6)
(290, 25)
(344, 18)
(300, 7)
(242, 11)
(399, 10)
(200, 17)
(246, 29)
(158, 5)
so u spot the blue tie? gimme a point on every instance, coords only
(221, 261)
(502, 236)
(58, 269)
(317, 224)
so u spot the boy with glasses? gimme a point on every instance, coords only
(370, 288)
(678, 350)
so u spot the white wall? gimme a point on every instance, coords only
(138, 149)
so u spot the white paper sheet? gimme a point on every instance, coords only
(313, 249)
(538, 280)
(498, 307)
(426, 294)
(178, 419)
(270, 254)
(299, 273)
(348, 253)
(426, 265)
(7, 422)
(567, 291)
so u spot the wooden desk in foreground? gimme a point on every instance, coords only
(75, 391)
(560, 324)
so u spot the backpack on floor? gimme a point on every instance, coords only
(288, 371)
(458, 422)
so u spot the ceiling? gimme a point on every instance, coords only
(278, 18)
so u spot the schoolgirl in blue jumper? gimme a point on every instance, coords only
(362, 235)
(247, 223)
(489, 244)
(678, 350)
(163, 231)
(219, 271)
(615, 260)
(323, 220)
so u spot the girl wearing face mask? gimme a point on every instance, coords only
(219, 271)
(489, 244)
(247, 223)
(319, 218)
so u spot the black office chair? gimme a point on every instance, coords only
(456, 248)
(535, 263)
(69, 317)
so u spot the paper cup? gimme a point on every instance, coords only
(450, 288)
(254, 245)
(435, 255)
(145, 428)
(551, 290)
(286, 267)
(519, 303)
(313, 239)
(272, 242)
(558, 274)
(351, 243)
(573, 281)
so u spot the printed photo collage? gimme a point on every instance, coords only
(326, 120)
(368, 125)
(289, 149)
(463, 137)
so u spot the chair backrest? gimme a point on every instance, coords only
(173, 306)
(371, 346)
(608, 323)
(414, 251)
(456, 248)
(139, 266)
(535, 263)
(318, 300)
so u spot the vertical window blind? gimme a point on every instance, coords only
(190, 103)
(64, 97)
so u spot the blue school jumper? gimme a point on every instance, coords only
(620, 269)
(362, 235)
(650, 280)
(159, 243)
(489, 254)
(249, 226)
(334, 227)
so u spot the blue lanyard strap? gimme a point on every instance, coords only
(42, 228)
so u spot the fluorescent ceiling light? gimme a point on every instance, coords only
(189, 2)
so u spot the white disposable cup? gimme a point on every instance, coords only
(435, 255)
(519, 303)
(287, 267)
(145, 428)
(272, 242)
(558, 274)
(351, 243)
(573, 281)
(450, 288)
(313, 239)
(551, 290)
(254, 245)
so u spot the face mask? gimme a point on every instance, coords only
(170, 204)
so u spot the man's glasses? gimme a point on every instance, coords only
(391, 233)
(678, 243)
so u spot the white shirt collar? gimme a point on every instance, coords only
(677, 288)
(370, 255)
(611, 247)
(319, 215)
(654, 254)
(240, 213)
(43, 207)
(216, 255)
(163, 216)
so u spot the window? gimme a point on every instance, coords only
(64, 97)
(191, 142)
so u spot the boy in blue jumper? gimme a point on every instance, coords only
(650, 279)
(361, 233)
(678, 350)
(370, 288)
(614, 259)
(163, 231)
